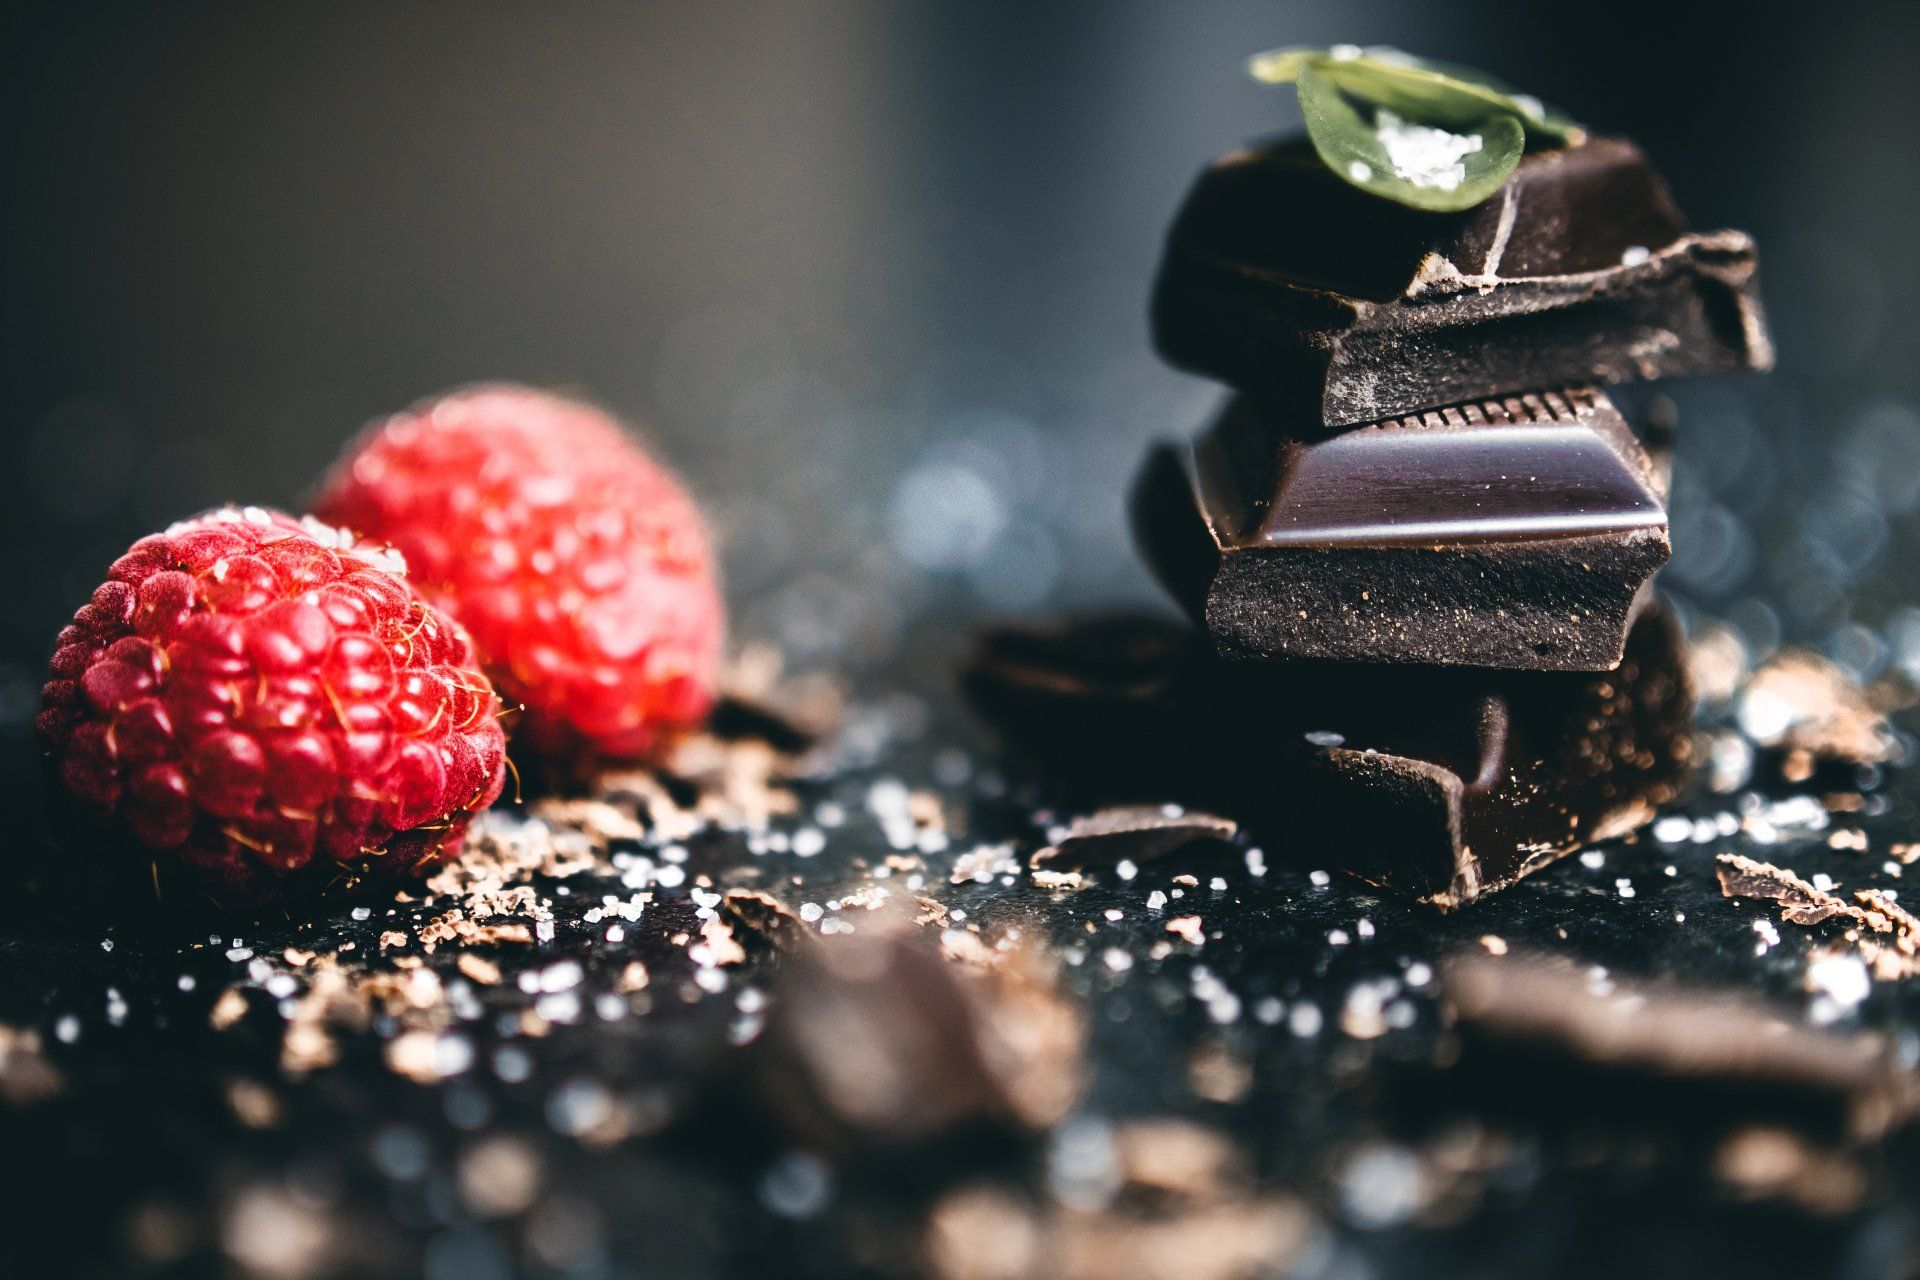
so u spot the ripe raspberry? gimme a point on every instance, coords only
(258, 696)
(579, 564)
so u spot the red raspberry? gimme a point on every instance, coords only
(579, 564)
(258, 696)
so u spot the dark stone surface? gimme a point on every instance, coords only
(589, 1150)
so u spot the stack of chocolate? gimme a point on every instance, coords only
(1417, 543)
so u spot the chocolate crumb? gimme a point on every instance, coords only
(762, 917)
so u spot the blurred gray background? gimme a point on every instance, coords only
(873, 276)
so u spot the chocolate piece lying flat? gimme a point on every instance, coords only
(1441, 783)
(1511, 533)
(1301, 290)
(1132, 833)
(1537, 1034)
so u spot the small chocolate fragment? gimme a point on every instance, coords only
(1294, 287)
(1537, 1034)
(1440, 783)
(1800, 901)
(762, 917)
(1814, 723)
(1135, 832)
(875, 1042)
(1512, 533)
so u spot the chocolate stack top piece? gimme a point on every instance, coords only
(1337, 306)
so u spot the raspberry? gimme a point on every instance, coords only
(270, 705)
(578, 563)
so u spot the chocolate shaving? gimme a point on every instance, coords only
(1132, 833)
(1800, 902)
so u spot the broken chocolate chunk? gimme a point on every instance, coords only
(1440, 783)
(1511, 533)
(1289, 284)
(1136, 833)
(1539, 1034)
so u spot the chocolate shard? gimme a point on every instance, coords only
(1513, 533)
(1287, 283)
(1134, 832)
(1535, 1033)
(1438, 783)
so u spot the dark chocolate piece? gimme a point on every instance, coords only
(1538, 1034)
(1301, 290)
(1440, 783)
(876, 1042)
(1511, 533)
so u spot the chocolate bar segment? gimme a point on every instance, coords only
(1437, 783)
(1512, 533)
(1302, 291)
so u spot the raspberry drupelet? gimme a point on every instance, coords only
(268, 707)
(578, 563)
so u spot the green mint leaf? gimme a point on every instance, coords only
(1542, 120)
(1281, 66)
(1434, 135)
(1422, 139)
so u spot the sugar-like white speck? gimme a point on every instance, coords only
(1635, 255)
(1304, 1020)
(1843, 979)
(1593, 860)
(1338, 938)
(1320, 879)
(1431, 158)
(1117, 960)
(1125, 869)
(1624, 886)
(1673, 829)
(1156, 900)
